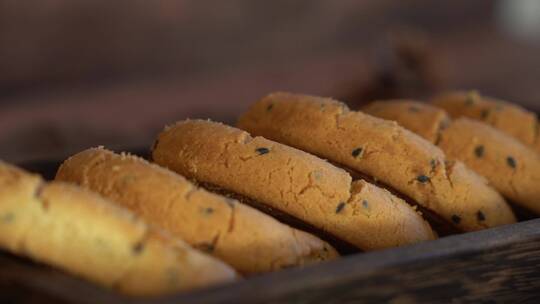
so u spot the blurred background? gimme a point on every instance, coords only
(75, 74)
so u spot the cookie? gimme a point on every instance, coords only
(382, 149)
(510, 166)
(507, 117)
(424, 121)
(292, 181)
(78, 231)
(245, 238)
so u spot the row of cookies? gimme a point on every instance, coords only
(327, 196)
(76, 230)
(245, 238)
(257, 172)
(398, 159)
(495, 138)
(144, 230)
(378, 186)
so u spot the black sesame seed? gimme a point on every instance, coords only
(340, 207)
(206, 247)
(480, 216)
(422, 178)
(479, 151)
(511, 161)
(209, 210)
(456, 219)
(365, 203)
(269, 107)
(433, 163)
(356, 152)
(138, 248)
(262, 151)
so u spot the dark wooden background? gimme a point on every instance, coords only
(75, 74)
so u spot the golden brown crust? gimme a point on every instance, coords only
(424, 121)
(507, 117)
(381, 149)
(292, 181)
(247, 239)
(73, 229)
(511, 167)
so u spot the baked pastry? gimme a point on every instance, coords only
(510, 166)
(78, 231)
(245, 238)
(426, 121)
(507, 117)
(292, 181)
(383, 150)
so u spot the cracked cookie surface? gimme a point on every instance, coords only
(245, 238)
(390, 153)
(510, 166)
(76, 230)
(295, 182)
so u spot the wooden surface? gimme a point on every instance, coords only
(499, 265)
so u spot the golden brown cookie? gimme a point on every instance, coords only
(414, 116)
(507, 117)
(245, 238)
(381, 149)
(510, 166)
(290, 180)
(78, 231)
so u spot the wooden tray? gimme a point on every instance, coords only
(495, 265)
